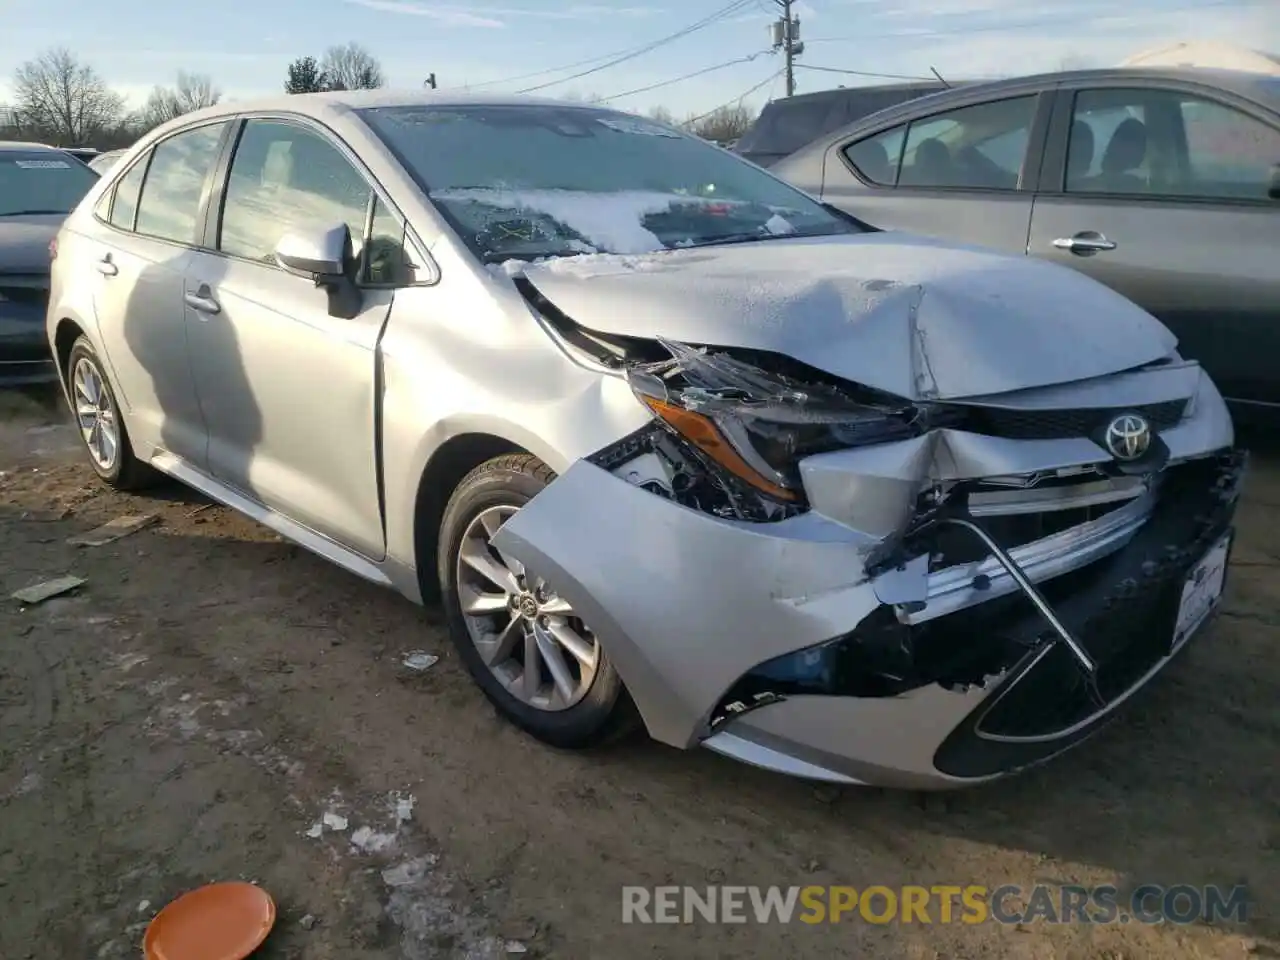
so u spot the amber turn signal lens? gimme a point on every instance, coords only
(703, 434)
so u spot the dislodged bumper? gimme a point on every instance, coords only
(781, 643)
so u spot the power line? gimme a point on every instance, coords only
(706, 21)
(687, 76)
(861, 73)
(737, 101)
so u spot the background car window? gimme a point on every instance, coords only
(287, 179)
(44, 181)
(978, 147)
(170, 203)
(124, 208)
(877, 158)
(386, 260)
(1165, 143)
(1229, 155)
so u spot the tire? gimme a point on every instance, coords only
(604, 711)
(125, 471)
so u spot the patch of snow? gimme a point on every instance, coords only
(419, 660)
(315, 831)
(779, 226)
(610, 221)
(410, 872)
(403, 807)
(144, 906)
(334, 822)
(605, 264)
(367, 840)
(127, 661)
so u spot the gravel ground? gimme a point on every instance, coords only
(211, 692)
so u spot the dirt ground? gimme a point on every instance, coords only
(196, 708)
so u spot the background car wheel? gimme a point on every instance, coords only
(533, 657)
(102, 428)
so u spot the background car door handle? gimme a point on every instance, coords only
(106, 267)
(1085, 244)
(202, 301)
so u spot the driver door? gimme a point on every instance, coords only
(287, 390)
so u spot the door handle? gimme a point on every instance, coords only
(106, 267)
(202, 301)
(1085, 243)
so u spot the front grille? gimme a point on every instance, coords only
(1057, 424)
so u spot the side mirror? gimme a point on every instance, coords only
(1273, 190)
(324, 256)
(327, 259)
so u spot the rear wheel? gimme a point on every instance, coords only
(531, 654)
(98, 419)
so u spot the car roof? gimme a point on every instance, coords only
(1258, 87)
(25, 147)
(328, 103)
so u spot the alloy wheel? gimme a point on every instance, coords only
(96, 415)
(529, 638)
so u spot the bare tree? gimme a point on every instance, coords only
(663, 115)
(61, 99)
(723, 124)
(351, 67)
(193, 92)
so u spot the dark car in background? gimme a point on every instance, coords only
(1162, 184)
(39, 186)
(785, 126)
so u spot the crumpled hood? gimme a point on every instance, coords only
(908, 315)
(24, 242)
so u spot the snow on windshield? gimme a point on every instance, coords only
(609, 221)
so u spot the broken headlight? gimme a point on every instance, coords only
(757, 424)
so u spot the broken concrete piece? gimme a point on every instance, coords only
(419, 660)
(40, 592)
(113, 530)
(308, 922)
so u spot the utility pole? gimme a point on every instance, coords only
(786, 37)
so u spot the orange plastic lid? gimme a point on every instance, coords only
(223, 921)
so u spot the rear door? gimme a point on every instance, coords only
(1159, 190)
(966, 173)
(137, 253)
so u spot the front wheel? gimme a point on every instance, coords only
(531, 654)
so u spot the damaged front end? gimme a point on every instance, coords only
(819, 578)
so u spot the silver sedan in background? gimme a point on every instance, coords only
(672, 441)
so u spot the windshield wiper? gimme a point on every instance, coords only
(30, 213)
(745, 237)
(527, 253)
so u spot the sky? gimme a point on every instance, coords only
(512, 45)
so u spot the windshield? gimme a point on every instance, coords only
(41, 182)
(522, 182)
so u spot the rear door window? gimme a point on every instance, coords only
(169, 207)
(977, 147)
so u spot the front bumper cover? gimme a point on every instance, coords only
(693, 609)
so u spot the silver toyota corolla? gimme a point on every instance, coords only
(673, 442)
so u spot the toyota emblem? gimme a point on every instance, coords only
(1128, 436)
